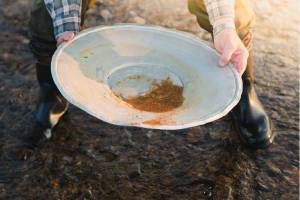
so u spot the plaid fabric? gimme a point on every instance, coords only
(65, 14)
(221, 14)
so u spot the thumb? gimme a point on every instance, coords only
(226, 56)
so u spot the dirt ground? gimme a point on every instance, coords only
(90, 159)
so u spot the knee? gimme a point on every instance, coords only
(197, 7)
(42, 51)
(91, 3)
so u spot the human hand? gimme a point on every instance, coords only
(65, 37)
(228, 43)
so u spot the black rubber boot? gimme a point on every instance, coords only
(51, 105)
(250, 118)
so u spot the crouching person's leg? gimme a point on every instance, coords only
(250, 118)
(51, 104)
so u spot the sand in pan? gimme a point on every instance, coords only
(162, 97)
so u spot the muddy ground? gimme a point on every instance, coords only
(90, 159)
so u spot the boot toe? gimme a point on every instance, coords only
(259, 135)
(37, 136)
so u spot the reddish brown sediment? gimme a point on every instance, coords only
(163, 96)
(153, 122)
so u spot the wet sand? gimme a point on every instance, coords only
(90, 159)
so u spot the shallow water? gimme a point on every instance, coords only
(90, 159)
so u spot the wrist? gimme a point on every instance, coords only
(222, 24)
(66, 23)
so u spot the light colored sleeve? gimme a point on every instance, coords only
(221, 14)
(65, 14)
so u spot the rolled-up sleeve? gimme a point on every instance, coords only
(65, 14)
(220, 13)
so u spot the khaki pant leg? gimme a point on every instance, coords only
(244, 16)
